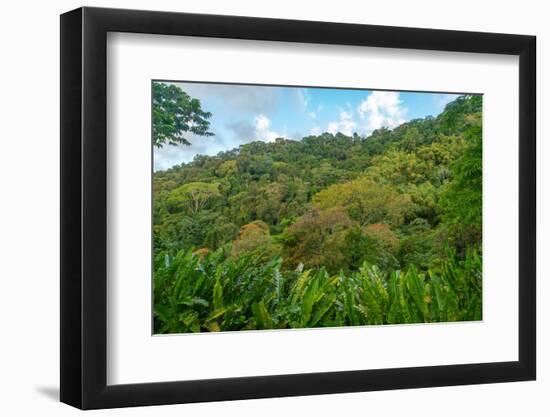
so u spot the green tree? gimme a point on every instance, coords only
(192, 196)
(375, 244)
(174, 114)
(366, 201)
(393, 177)
(252, 238)
(462, 198)
(314, 240)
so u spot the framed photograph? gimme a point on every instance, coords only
(256, 208)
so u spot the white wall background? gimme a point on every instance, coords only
(29, 225)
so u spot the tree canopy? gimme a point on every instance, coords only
(175, 113)
(372, 211)
(422, 180)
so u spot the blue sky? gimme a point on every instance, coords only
(245, 113)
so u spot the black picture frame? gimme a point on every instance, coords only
(84, 207)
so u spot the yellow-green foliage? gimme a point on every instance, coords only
(366, 201)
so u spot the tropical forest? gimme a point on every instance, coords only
(326, 230)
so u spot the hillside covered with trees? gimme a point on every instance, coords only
(330, 230)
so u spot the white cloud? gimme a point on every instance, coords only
(237, 133)
(345, 125)
(248, 98)
(381, 109)
(302, 98)
(257, 129)
(261, 124)
(314, 113)
(315, 131)
(170, 155)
